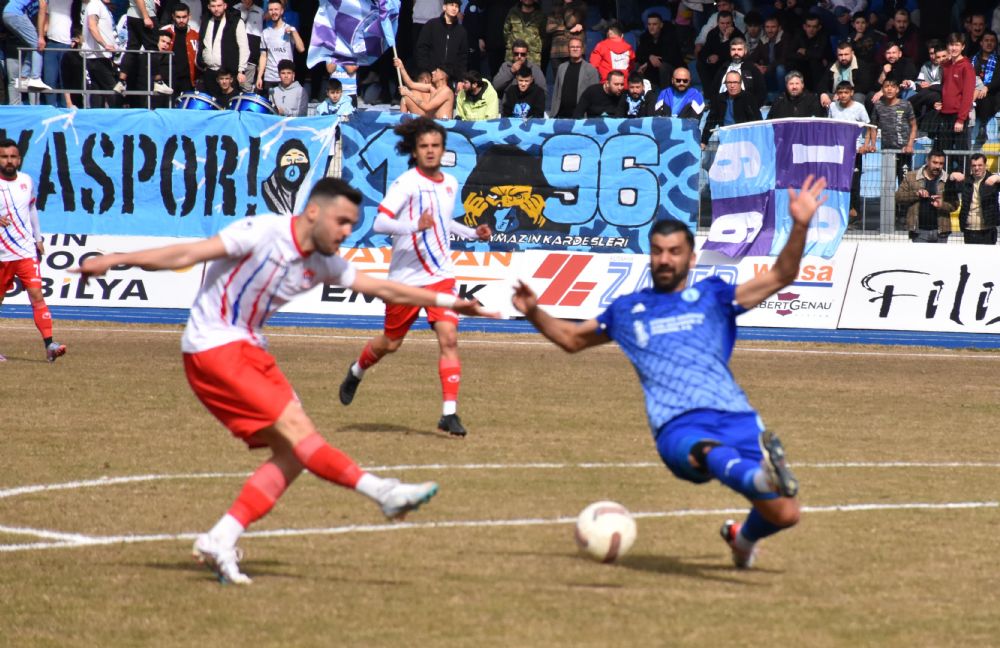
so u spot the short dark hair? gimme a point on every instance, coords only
(977, 156)
(891, 81)
(330, 188)
(635, 77)
(988, 32)
(473, 76)
(411, 130)
(524, 71)
(335, 85)
(615, 73)
(519, 42)
(654, 14)
(285, 64)
(845, 85)
(891, 44)
(224, 72)
(956, 37)
(668, 226)
(8, 142)
(845, 45)
(180, 6)
(935, 152)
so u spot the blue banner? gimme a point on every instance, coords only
(165, 172)
(754, 167)
(591, 185)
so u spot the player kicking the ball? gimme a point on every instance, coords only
(679, 339)
(258, 265)
(417, 211)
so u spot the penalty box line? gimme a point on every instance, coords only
(75, 541)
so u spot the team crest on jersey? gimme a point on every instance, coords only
(638, 308)
(307, 278)
(24, 187)
(450, 191)
(690, 295)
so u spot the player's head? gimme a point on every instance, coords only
(10, 158)
(332, 210)
(422, 140)
(671, 254)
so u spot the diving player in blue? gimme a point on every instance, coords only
(679, 339)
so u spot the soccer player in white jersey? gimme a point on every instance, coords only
(679, 339)
(258, 265)
(21, 245)
(417, 212)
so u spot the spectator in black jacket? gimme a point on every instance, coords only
(658, 51)
(848, 68)
(809, 52)
(796, 101)
(734, 107)
(899, 68)
(714, 54)
(223, 44)
(443, 43)
(523, 99)
(680, 99)
(753, 80)
(636, 101)
(978, 217)
(601, 100)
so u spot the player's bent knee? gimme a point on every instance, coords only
(391, 346)
(294, 424)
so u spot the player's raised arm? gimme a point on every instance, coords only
(170, 257)
(397, 293)
(566, 335)
(801, 206)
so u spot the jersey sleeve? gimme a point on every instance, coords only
(340, 271)
(606, 321)
(725, 294)
(395, 201)
(240, 237)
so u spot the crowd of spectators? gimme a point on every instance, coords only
(908, 67)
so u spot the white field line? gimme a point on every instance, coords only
(131, 479)
(472, 342)
(70, 541)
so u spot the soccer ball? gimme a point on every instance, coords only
(605, 531)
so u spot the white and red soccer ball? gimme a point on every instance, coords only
(605, 531)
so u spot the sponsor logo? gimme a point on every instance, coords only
(563, 270)
(788, 303)
(893, 286)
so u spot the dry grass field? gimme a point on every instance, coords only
(109, 467)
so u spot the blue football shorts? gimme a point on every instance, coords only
(739, 430)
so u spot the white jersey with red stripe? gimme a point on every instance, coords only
(17, 204)
(424, 257)
(264, 270)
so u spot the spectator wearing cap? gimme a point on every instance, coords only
(443, 42)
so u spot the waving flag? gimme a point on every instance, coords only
(753, 168)
(353, 32)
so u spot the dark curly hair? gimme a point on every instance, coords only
(409, 132)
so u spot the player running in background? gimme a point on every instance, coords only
(679, 339)
(21, 245)
(417, 211)
(258, 265)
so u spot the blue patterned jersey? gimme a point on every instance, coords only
(679, 344)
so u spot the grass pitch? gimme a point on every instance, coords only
(896, 450)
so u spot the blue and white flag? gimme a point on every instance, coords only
(756, 164)
(353, 32)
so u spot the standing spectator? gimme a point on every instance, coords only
(753, 80)
(443, 43)
(520, 57)
(658, 52)
(714, 55)
(276, 43)
(523, 99)
(21, 18)
(897, 124)
(289, 98)
(477, 100)
(336, 103)
(636, 101)
(978, 216)
(572, 78)
(474, 21)
(987, 103)
(601, 100)
(769, 57)
(58, 21)
(922, 195)
(493, 34)
(848, 109)
(733, 107)
(905, 34)
(680, 99)
(185, 48)
(99, 36)
(525, 22)
(565, 21)
(441, 102)
(423, 12)
(253, 20)
(796, 101)
(140, 24)
(809, 53)
(613, 53)
(223, 45)
(958, 84)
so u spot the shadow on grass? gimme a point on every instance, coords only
(252, 568)
(708, 568)
(392, 428)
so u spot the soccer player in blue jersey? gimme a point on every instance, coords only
(679, 339)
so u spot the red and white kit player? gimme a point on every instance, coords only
(417, 212)
(258, 265)
(21, 245)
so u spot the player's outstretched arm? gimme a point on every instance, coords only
(801, 207)
(566, 335)
(169, 257)
(397, 293)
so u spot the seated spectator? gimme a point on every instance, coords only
(441, 102)
(922, 195)
(753, 81)
(601, 99)
(734, 107)
(899, 69)
(572, 78)
(477, 100)
(978, 216)
(289, 98)
(753, 32)
(809, 53)
(613, 53)
(159, 65)
(987, 102)
(796, 101)
(227, 88)
(866, 42)
(658, 52)
(680, 99)
(904, 34)
(847, 69)
(523, 99)
(519, 57)
(769, 56)
(347, 76)
(714, 55)
(336, 102)
(636, 101)
(848, 109)
(928, 85)
(722, 6)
